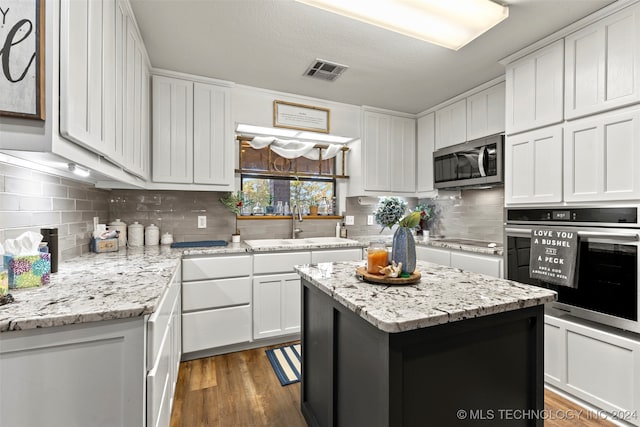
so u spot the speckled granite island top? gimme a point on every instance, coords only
(443, 295)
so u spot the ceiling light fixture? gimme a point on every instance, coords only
(80, 171)
(448, 23)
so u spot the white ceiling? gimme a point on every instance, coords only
(270, 43)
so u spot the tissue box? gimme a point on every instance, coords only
(4, 282)
(104, 245)
(28, 271)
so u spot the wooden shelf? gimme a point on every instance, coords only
(286, 217)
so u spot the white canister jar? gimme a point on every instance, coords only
(151, 235)
(122, 228)
(135, 234)
(166, 239)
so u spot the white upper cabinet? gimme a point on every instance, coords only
(402, 152)
(451, 124)
(172, 130)
(426, 141)
(191, 133)
(104, 78)
(485, 112)
(212, 151)
(533, 167)
(602, 157)
(534, 89)
(388, 160)
(86, 51)
(602, 64)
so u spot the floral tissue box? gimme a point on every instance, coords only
(28, 271)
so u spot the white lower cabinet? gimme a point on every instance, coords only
(490, 265)
(477, 263)
(599, 366)
(276, 308)
(336, 255)
(164, 349)
(216, 302)
(88, 374)
(436, 256)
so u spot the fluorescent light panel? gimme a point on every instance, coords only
(448, 23)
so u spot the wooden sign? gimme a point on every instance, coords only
(553, 256)
(22, 58)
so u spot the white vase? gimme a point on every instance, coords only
(235, 238)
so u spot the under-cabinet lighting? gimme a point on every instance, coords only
(261, 130)
(80, 171)
(324, 137)
(448, 23)
(291, 133)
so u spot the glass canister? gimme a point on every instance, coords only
(376, 257)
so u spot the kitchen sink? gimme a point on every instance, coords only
(310, 242)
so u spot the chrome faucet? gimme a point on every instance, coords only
(294, 229)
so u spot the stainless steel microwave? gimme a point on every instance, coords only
(475, 163)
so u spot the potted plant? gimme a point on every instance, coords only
(313, 206)
(269, 209)
(391, 211)
(426, 213)
(234, 202)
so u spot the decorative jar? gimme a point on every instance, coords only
(376, 257)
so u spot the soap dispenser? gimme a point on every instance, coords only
(338, 229)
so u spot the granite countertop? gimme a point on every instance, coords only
(122, 284)
(467, 245)
(442, 295)
(107, 286)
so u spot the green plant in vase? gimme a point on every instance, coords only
(269, 209)
(426, 212)
(391, 211)
(234, 202)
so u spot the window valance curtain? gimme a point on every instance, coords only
(292, 149)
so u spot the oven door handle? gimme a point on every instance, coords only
(615, 236)
(526, 232)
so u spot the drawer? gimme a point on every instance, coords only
(216, 267)
(158, 321)
(336, 255)
(203, 330)
(158, 387)
(216, 293)
(280, 262)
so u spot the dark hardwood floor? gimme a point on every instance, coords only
(241, 390)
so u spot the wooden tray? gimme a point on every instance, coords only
(362, 274)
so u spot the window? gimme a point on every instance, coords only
(268, 191)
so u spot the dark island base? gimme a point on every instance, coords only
(485, 371)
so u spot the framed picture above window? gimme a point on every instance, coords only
(301, 117)
(22, 57)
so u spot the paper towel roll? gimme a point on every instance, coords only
(367, 201)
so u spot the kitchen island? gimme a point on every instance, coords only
(456, 348)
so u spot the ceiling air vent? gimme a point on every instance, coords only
(325, 70)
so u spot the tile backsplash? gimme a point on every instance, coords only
(30, 200)
(177, 212)
(475, 214)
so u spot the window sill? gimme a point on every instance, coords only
(286, 217)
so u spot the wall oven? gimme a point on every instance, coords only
(472, 164)
(607, 260)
